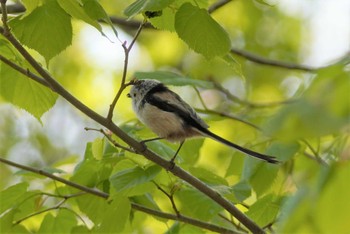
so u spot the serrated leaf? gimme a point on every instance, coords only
(207, 176)
(24, 92)
(265, 210)
(129, 178)
(47, 29)
(171, 78)
(76, 10)
(201, 32)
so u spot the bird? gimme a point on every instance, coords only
(172, 119)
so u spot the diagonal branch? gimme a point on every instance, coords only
(139, 147)
(104, 195)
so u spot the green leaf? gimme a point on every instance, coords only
(6, 223)
(324, 109)
(77, 10)
(12, 195)
(171, 78)
(197, 205)
(47, 29)
(62, 223)
(146, 5)
(283, 150)
(24, 92)
(30, 5)
(265, 210)
(127, 179)
(207, 176)
(115, 216)
(201, 32)
(242, 190)
(96, 12)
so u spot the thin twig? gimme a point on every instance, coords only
(139, 147)
(123, 83)
(223, 114)
(171, 198)
(247, 103)
(110, 139)
(24, 71)
(215, 6)
(265, 61)
(104, 195)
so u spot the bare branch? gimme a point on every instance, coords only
(215, 6)
(265, 61)
(123, 84)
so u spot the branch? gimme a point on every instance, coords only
(123, 85)
(217, 5)
(265, 61)
(134, 24)
(139, 147)
(104, 195)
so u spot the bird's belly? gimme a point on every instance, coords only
(166, 124)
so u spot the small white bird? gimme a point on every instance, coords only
(171, 118)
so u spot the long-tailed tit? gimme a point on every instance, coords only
(171, 118)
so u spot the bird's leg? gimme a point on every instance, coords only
(172, 161)
(148, 140)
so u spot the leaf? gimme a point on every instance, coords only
(30, 5)
(62, 223)
(25, 93)
(12, 195)
(127, 179)
(47, 29)
(77, 10)
(146, 5)
(115, 216)
(324, 109)
(171, 78)
(265, 210)
(200, 32)
(283, 150)
(242, 190)
(197, 205)
(207, 176)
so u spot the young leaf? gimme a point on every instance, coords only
(76, 10)
(171, 78)
(12, 195)
(62, 223)
(47, 29)
(115, 216)
(24, 92)
(265, 210)
(201, 32)
(127, 179)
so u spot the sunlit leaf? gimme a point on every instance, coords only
(201, 33)
(62, 223)
(12, 195)
(76, 10)
(265, 210)
(198, 205)
(47, 29)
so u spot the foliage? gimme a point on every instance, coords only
(190, 49)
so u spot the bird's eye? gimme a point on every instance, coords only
(128, 95)
(134, 94)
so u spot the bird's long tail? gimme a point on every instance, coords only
(264, 157)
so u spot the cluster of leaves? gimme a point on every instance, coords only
(313, 124)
